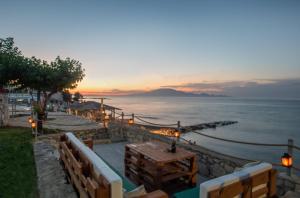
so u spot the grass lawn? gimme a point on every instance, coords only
(17, 166)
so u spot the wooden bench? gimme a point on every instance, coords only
(89, 174)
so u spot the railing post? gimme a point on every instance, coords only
(178, 126)
(178, 131)
(290, 152)
(133, 117)
(122, 121)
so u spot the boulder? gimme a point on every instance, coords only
(291, 194)
(203, 170)
(217, 170)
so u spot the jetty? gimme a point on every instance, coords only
(209, 125)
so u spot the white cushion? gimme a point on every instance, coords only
(226, 180)
(257, 169)
(101, 168)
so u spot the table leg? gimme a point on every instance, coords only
(139, 166)
(158, 177)
(127, 157)
(193, 171)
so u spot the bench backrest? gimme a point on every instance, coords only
(90, 174)
(255, 181)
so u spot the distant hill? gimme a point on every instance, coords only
(171, 92)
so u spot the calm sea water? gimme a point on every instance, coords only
(259, 120)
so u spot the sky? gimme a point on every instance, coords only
(132, 45)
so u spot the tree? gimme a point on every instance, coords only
(62, 74)
(11, 62)
(36, 74)
(77, 96)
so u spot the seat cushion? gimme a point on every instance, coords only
(190, 193)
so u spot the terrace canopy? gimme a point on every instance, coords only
(91, 105)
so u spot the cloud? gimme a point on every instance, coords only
(112, 92)
(279, 88)
(208, 86)
(268, 88)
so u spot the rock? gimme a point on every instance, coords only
(291, 194)
(203, 170)
(210, 160)
(217, 170)
(228, 168)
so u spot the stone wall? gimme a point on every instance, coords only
(94, 134)
(4, 111)
(287, 183)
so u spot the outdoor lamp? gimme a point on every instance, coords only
(33, 124)
(30, 120)
(177, 134)
(106, 117)
(103, 111)
(286, 160)
(130, 121)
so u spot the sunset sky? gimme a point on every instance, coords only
(133, 45)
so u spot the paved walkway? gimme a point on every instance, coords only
(114, 155)
(51, 177)
(59, 120)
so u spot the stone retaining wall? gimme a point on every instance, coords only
(286, 183)
(4, 111)
(94, 134)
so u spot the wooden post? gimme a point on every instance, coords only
(178, 130)
(102, 105)
(122, 121)
(36, 121)
(290, 152)
(133, 117)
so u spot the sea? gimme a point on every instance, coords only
(260, 120)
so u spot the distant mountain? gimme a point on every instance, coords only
(171, 92)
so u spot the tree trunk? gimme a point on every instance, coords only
(38, 96)
(43, 115)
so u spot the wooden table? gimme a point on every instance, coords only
(151, 164)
